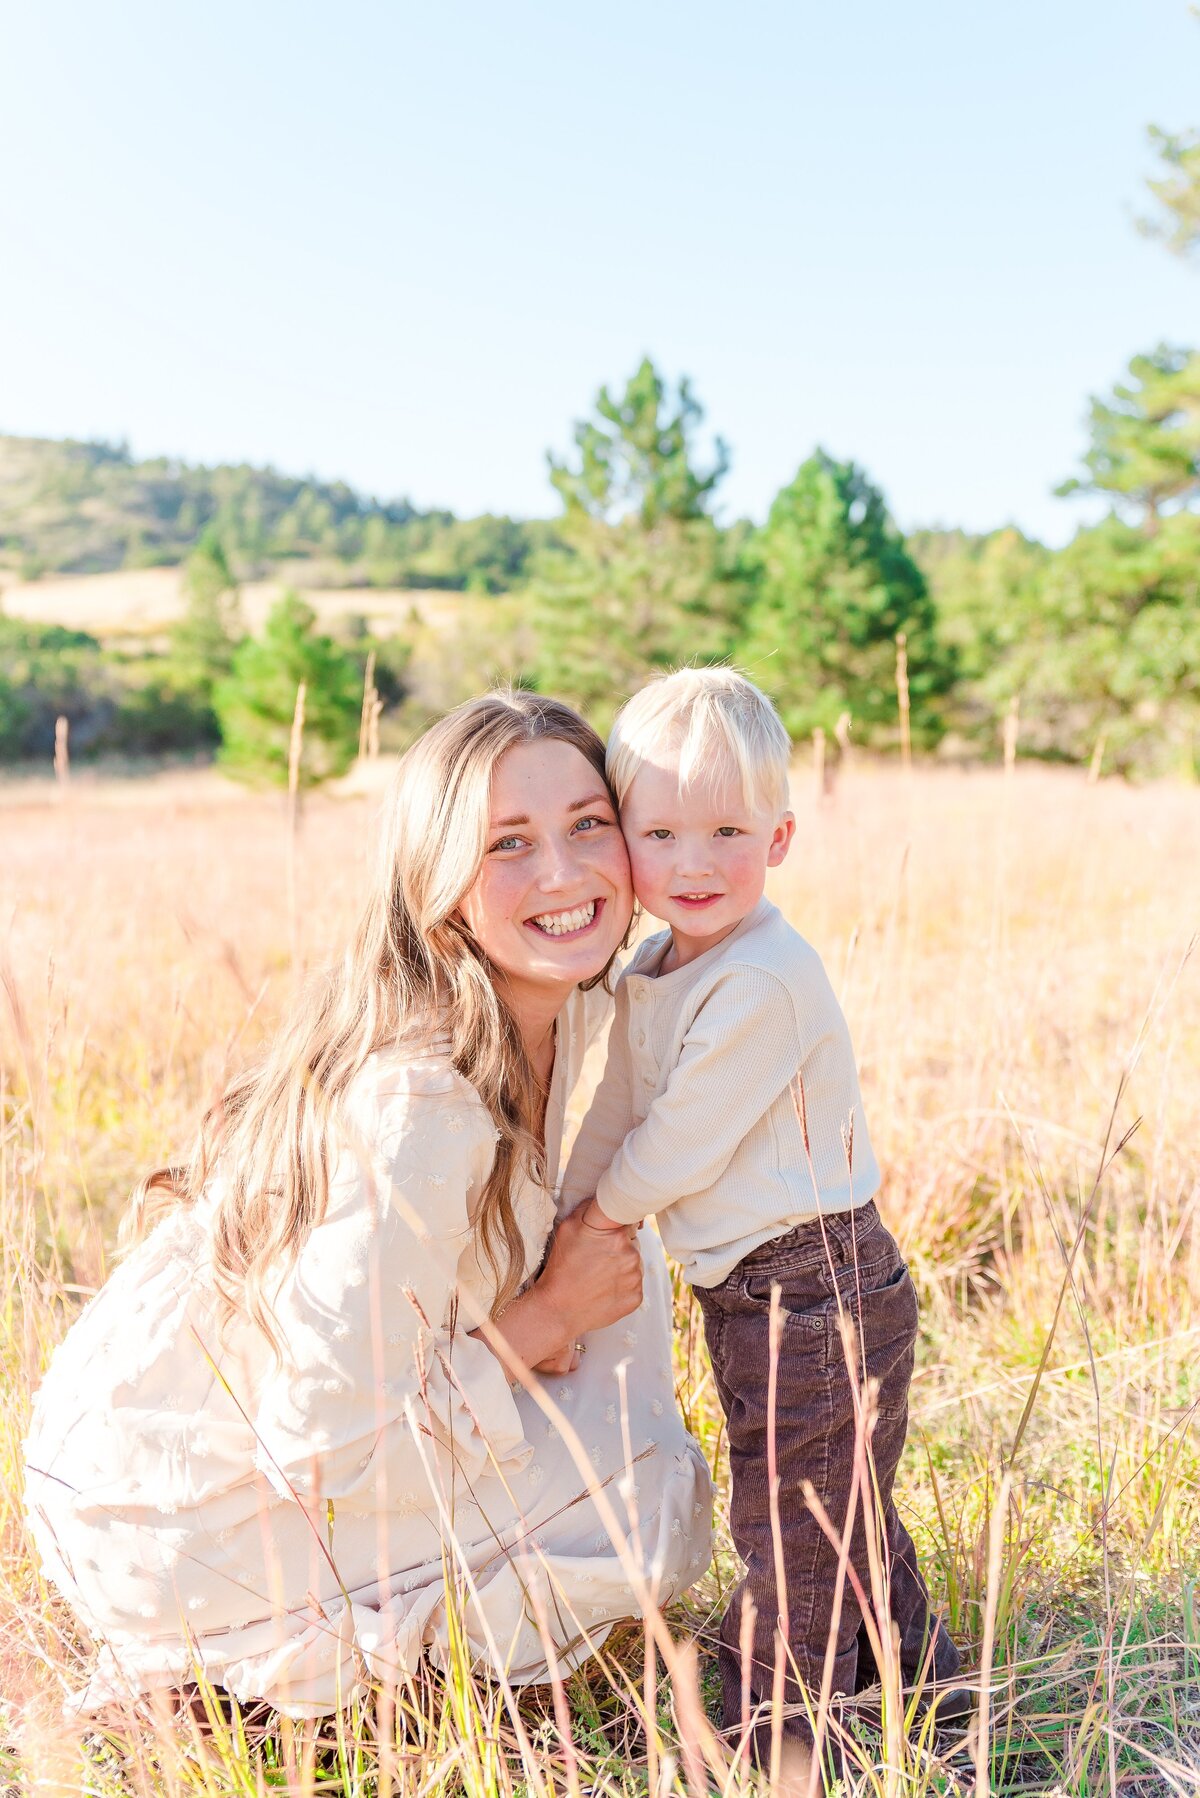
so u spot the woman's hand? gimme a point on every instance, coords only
(565, 1361)
(592, 1219)
(592, 1277)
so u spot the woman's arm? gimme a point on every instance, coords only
(591, 1278)
(379, 1368)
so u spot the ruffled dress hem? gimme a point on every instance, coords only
(309, 1664)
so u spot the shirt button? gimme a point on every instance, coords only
(639, 995)
(641, 1036)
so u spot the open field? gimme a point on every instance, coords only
(1012, 953)
(145, 602)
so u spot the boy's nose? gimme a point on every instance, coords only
(693, 859)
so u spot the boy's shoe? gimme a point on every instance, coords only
(949, 1705)
(950, 1708)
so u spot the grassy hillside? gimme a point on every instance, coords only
(90, 508)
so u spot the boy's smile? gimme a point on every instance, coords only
(699, 857)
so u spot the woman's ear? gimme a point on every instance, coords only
(781, 841)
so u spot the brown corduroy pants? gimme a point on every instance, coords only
(852, 1259)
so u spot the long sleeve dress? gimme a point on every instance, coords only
(297, 1528)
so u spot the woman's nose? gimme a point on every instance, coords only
(559, 866)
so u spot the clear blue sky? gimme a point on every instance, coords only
(404, 245)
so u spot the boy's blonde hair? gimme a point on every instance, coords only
(702, 715)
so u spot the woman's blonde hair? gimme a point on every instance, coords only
(413, 971)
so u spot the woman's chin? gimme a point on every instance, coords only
(572, 966)
(566, 960)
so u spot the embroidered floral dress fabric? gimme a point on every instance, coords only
(292, 1529)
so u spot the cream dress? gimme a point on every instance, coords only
(294, 1530)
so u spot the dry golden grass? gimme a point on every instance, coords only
(1012, 955)
(144, 602)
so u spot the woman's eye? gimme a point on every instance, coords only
(508, 843)
(590, 821)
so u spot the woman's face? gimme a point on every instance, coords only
(553, 899)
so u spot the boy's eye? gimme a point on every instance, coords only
(660, 835)
(728, 830)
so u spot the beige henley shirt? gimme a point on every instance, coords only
(695, 1119)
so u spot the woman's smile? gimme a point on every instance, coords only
(553, 897)
(574, 921)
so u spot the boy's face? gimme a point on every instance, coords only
(699, 858)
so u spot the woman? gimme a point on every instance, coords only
(307, 1403)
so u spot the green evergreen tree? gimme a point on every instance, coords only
(1112, 649)
(255, 704)
(1177, 190)
(834, 586)
(987, 594)
(1145, 445)
(984, 590)
(636, 456)
(205, 637)
(640, 578)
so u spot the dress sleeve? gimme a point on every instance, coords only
(609, 1117)
(381, 1388)
(739, 1053)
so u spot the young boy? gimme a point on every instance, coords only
(726, 1025)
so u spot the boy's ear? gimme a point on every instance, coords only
(781, 841)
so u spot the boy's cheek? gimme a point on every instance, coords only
(610, 859)
(647, 880)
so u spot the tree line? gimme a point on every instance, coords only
(1091, 651)
(90, 508)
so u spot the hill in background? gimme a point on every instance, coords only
(90, 508)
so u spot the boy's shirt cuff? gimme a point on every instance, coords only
(624, 1207)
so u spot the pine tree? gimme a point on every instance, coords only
(1113, 649)
(1177, 190)
(642, 579)
(255, 704)
(1145, 445)
(834, 586)
(204, 639)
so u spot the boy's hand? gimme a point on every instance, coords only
(592, 1218)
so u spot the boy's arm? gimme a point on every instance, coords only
(609, 1117)
(740, 1052)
